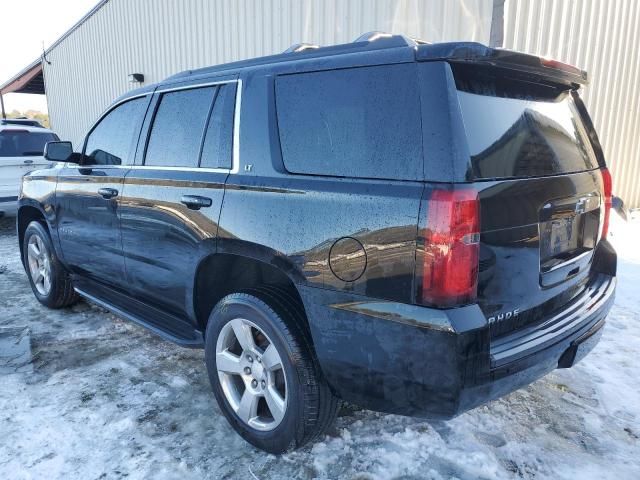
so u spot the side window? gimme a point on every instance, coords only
(112, 141)
(357, 122)
(216, 150)
(178, 126)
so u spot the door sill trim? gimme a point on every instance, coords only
(197, 342)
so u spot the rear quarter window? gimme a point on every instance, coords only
(358, 122)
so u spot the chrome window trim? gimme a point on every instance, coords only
(197, 85)
(235, 148)
(235, 156)
(179, 169)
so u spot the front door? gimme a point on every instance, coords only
(88, 195)
(171, 203)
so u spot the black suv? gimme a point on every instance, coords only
(414, 228)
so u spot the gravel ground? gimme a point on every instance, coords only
(84, 394)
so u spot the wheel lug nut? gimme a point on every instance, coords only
(247, 370)
(254, 383)
(249, 358)
(263, 384)
(259, 359)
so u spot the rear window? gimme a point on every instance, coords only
(522, 130)
(357, 122)
(22, 143)
(216, 149)
(176, 134)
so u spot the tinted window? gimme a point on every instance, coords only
(359, 122)
(22, 143)
(216, 151)
(515, 132)
(176, 134)
(112, 141)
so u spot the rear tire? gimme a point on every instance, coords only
(50, 282)
(271, 320)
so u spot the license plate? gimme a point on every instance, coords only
(561, 236)
(557, 237)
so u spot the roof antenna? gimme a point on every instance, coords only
(44, 54)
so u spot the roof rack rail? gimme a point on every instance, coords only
(301, 47)
(388, 39)
(419, 41)
(372, 36)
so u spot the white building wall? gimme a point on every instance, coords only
(158, 38)
(602, 37)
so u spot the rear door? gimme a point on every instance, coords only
(540, 191)
(20, 152)
(172, 199)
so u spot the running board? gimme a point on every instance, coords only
(165, 325)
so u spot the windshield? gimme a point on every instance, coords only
(23, 143)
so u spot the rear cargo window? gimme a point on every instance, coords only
(522, 130)
(358, 122)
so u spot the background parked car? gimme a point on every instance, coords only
(21, 147)
(28, 122)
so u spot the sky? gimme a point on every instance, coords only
(25, 25)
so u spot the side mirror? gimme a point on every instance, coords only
(58, 151)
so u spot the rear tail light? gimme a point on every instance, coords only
(451, 247)
(607, 192)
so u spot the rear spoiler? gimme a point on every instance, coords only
(476, 53)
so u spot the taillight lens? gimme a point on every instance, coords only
(451, 247)
(558, 65)
(607, 192)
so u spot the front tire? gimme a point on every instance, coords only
(49, 280)
(263, 371)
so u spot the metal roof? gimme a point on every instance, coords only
(28, 80)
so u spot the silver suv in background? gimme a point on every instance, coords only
(21, 148)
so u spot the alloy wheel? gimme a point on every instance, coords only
(39, 264)
(251, 374)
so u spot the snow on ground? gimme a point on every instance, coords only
(97, 397)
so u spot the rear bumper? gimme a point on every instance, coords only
(560, 341)
(418, 361)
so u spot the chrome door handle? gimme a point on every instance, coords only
(195, 202)
(108, 193)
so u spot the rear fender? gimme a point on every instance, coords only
(279, 260)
